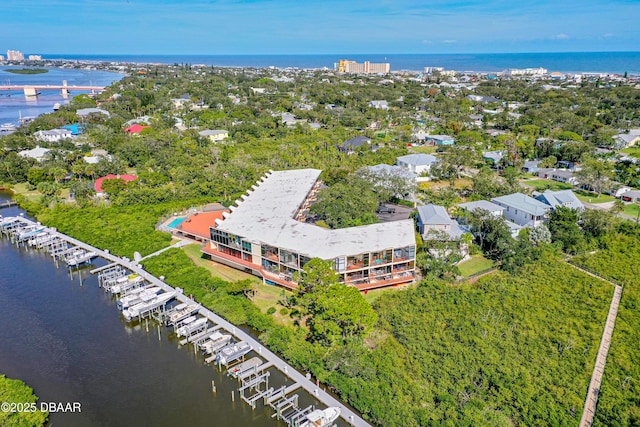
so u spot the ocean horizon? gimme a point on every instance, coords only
(566, 62)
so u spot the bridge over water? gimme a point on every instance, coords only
(32, 90)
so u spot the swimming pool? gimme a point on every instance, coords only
(176, 222)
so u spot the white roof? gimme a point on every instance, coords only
(86, 111)
(35, 153)
(481, 204)
(418, 159)
(524, 203)
(213, 132)
(266, 215)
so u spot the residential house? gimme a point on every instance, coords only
(522, 209)
(493, 157)
(555, 199)
(531, 166)
(52, 135)
(96, 156)
(626, 140)
(75, 129)
(631, 196)
(491, 208)
(433, 218)
(560, 175)
(379, 104)
(181, 102)
(214, 135)
(37, 153)
(439, 140)
(98, 184)
(419, 164)
(351, 145)
(86, 112)
(136, 129)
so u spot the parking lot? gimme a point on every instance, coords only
(401, 212)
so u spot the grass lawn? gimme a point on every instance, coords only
(437, 185)
(586, 196)
(266, 296)
(476, 264)
(631, 209)
(544, 184)
(30, 195)
(217, 269)
(632, 151)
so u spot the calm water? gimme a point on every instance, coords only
(609, 62)
(13, 103)
(69, 342)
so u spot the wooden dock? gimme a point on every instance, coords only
(300, 381)
(8, 204)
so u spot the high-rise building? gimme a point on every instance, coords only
(15, 55)
(35, 57)
(1, 58)
(346, 66)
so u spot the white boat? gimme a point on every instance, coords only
(191, 327)
(56, 106)
(182, 311)
(233, 352)
(138, 296)
(125, 283)
(216, 342)
(243, 367)
(81, 258)
(321, 418)
(8, 127)
(144, 307)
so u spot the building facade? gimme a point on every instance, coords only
(265, 234)
(15, 55)
(346, 66)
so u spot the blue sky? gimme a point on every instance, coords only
(316, 27)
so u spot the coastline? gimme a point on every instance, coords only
(566, 62)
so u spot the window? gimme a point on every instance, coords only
(246, 246)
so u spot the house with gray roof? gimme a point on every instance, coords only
(631, 196)
(522, 209)
(433, 218)
(351, 145)
(493, 157)
(215, 135)
(52, 135)
(86, 112)
(492, 208)
(379, 104)
(555, 199)
(37, 153)
(626, 140)
(417, 163)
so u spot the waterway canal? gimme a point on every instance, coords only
(69, 342)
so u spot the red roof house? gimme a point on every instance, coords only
(137, 128)
(98, 185)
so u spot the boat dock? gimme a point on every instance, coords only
(253, 378)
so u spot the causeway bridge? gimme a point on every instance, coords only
(32, 90)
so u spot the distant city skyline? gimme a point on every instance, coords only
(341, 27)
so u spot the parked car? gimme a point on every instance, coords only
(385, 210)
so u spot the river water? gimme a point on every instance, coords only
(68, 341)
(13, 104)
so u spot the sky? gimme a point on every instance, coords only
(211, 27)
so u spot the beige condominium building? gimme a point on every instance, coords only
(266, 234)
(346, 66)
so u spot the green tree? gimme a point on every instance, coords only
(349, 203)
(563, 224)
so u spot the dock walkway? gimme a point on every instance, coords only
(300, 380)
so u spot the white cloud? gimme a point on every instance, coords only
(449, 41)
(561, 36)
(427, 42)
